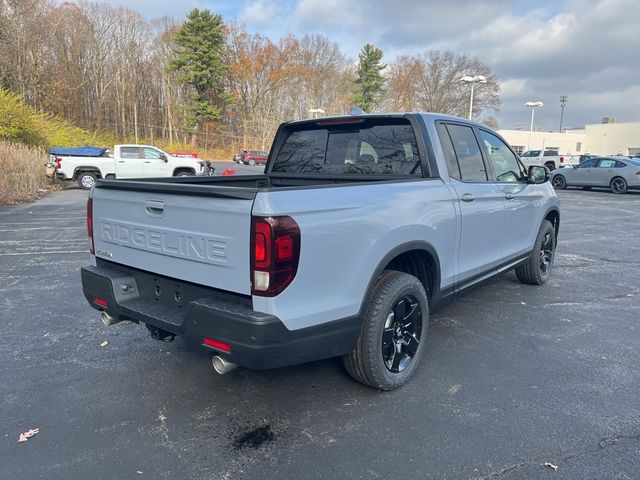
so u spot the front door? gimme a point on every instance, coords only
(583, 173)
(129, 163)
(520, 197)
(154, 164)
(481, 203)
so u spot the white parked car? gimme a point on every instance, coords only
(549, 159)
(128, 161)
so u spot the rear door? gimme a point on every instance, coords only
(200, 239)
(129, 163)
(481, 203)
(603, 174)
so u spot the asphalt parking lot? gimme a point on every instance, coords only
(514, 376)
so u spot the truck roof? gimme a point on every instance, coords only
(425, 115)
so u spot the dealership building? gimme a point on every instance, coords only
(606, 138)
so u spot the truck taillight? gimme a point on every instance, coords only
(90, 225)
(561, 159)
(275, 251)
(58, 163)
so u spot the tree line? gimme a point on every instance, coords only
(208, 82)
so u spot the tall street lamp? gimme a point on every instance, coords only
(563, 103)
(472, 81)
(533, 106)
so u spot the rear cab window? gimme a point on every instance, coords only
(368, 146)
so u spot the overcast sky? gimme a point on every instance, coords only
(586, 49)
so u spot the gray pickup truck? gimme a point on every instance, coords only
(359, 227)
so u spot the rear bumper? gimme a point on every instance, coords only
(257, 340)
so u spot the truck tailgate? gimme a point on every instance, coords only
(203, 239)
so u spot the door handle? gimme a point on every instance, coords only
(154, 208)
(147, 161)
(467, 197)
(120, 161)
(509, 196)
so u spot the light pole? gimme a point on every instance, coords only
(563, 103)
(472, 81)
(533, 106)
(316, 111)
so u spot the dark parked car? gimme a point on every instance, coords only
(251, 157)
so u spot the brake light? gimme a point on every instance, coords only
(90, 225)
(101, 302)
(561, 159)
(58, 163)
(275, 251)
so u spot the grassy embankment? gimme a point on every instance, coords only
(26, 136)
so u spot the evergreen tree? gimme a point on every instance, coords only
(369, 84)
(198, 58)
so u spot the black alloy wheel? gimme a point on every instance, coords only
(559, 183)
(401, 335)
(618, 185)
(546, 254)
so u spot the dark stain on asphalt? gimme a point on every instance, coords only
(254, 438)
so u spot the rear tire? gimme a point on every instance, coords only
(184, 173)
(618, 185)
(393, 334)
(559, 182)
(86, 180)
(252, 162)
(551, 166)
(537, 269)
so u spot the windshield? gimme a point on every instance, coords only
(369, 147)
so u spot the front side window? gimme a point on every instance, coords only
(551, 153)
(369, 147)
(152, 154)
(465, 145)
(505, 165)
(591, 163)
(129, 152)
(531, 153)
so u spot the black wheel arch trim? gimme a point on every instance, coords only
(399, 250)
(555, 210)
(87, 169)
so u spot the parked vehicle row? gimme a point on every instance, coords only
(251, 157)
(359, 227)
(549, 159)
(128, 161)
(619, 174)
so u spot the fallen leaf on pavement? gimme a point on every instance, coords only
(104, 344)
(27, 435)
(454, 389)
(551, 465)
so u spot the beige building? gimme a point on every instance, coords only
(596, 139)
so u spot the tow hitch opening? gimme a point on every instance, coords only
(159, 334)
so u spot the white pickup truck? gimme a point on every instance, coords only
(128, 161)
(549, 159)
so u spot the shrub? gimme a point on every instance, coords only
(22, 173)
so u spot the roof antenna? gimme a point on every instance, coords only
(355, 110)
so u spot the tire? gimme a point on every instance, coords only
(86, 180)
(551, 166)
(559, 182)
(183, 173)
(252, 162)
(537, 269)
(388, 351)
(618, 185)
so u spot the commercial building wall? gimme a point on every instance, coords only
(596, 139)
(563, 143)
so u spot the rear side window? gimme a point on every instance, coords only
(449, 152)
(465, 145)
(129, 152)
(365, 148)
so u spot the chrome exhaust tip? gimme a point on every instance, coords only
(222, 366)
(108, 320)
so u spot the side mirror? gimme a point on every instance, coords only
(163, 156)
(538, 174)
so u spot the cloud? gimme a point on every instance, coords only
(259, 13)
